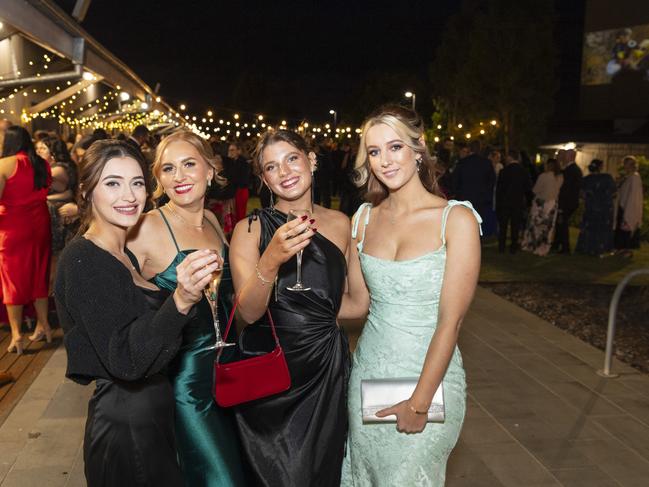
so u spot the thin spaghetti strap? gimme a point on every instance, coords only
(357, 219)
(171, 232)
(447, 210)
(218, 231)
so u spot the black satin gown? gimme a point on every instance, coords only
(130, 438)
(297, 438)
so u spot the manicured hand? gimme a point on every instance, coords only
(289, 239)
(407, 420)
(193, 274)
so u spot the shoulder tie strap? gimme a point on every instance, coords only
(447, 210)
(357, 219)
(169, 228)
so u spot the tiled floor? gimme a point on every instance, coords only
(538, 412)
(538, 415)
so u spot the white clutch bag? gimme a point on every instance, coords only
(377, 394)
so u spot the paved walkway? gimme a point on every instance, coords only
(538, 414)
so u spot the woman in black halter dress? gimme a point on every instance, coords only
(295, 438)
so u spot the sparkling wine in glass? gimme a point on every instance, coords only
(211, 292)
(298, 286)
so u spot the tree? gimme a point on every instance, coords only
(497, 60)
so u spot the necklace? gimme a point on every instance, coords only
(96, 240)
(177, 215)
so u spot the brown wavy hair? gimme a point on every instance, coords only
(410, 128)
(90, 168)
(201, 145)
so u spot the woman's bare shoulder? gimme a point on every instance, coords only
(147, 228)
(7, 165)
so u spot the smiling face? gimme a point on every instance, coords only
(392, 162)
(183, 173)
(287, 170)
(120, 194)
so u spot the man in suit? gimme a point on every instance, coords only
(568, 199)
(514, 185)
(474, 178)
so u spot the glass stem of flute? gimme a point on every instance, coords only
(299, 267)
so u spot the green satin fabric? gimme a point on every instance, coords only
(206, 436)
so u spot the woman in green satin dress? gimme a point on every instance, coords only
(207, 439)
(419, 255)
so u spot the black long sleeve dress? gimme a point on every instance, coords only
(122, 337)
(297, 438)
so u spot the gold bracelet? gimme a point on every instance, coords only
(415, 411)
(261, 278)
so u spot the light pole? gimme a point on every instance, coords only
(335, 114)
(410, 94)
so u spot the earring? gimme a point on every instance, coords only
(418, 163)
(209, 182)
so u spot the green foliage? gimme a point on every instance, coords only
(497, 60)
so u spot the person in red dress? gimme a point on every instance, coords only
(25, 238)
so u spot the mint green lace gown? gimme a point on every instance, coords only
(404, 303)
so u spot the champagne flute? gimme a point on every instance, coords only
(298, 286)
(211, 292)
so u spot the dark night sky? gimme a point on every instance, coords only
(289, 59)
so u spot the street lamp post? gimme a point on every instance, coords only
(335, 114)
(410, 94)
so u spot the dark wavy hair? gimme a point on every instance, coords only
(58, 149)
(16, 140)
(410, 128)
(90, 168)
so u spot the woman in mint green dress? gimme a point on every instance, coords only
(206, 435)
(419, 258)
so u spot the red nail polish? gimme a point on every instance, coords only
(314, 230)
(311, 221)
(304, 217)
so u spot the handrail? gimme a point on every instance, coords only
(612, 314)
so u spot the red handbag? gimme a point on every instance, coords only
(253, 378)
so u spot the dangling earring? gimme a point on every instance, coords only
(418, 162)
(209, 182)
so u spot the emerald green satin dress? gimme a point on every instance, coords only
(206, 435)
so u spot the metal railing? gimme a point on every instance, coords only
(612, 315)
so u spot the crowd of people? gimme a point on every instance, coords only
(135, 228)
(534, 207)
(137, 246)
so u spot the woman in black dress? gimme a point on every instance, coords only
(120, 330)
(598, 190)
(295, 438)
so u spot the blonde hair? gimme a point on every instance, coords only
(410, 128)
(201, 145)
